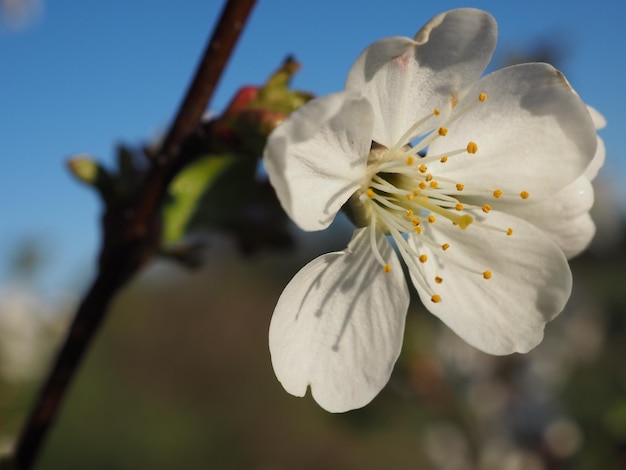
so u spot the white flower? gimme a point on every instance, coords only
(479, 182)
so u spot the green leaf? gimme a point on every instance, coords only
(223, 203)
(186, 190)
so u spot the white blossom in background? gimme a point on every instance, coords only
(20, 14)
(481, 183)
(28, 330)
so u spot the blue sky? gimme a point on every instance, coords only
(87, 75)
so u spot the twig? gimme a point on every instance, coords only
(131, 233)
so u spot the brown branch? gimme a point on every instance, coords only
(131, 233)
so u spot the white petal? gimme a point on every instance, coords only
(598, 161)
(529, 285)
(406, 79)
(338, 326)
(533, 134)
(317, 158)
(564, 217)
(598, 119)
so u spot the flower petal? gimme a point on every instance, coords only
(564, 217)
(599, 121)
(317, 158)
(406, 79)
(598, 161)
(338, 326)
(529, 282)
(533, 134)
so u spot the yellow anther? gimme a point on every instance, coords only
(434, 184)
(410, 160)
(509, 231)
(409, 196)
(472, 147)
(445, 246)
(436, 112)
(482, 97)
(497, 193)
(458, 206)
(423, 258)
(459, 187)
(409, 213)
(487, 274)
(436, 298)
(438, 280)
(443, 131)
(387, 268)
(422, 168)
(524, 194)
(416, 192)
(418, 230)
(422, 185)
(370, 193)
(444, 159)
(429, 177)
(464, 221)
(486, 208)
(415, 221)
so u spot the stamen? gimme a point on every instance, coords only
(444, 159)
(486, 208)
(445, 246)
(370, 193)
(409, 213)
(410, 257)
(374, 244)
(410, 160)
(497, 193)
(438, 280)
(387, 268)
(459, 187)
(409, 133)
(459, 206)
(487, 274)
(462, 220)
(426, 141)
(450, 153)
(434, 184)
(472, 147)
(422, 168)
(423, 258)
(482, 97)
(509, 231)
(436, 299)
(431, 219)
(524, 194)
(387, 203)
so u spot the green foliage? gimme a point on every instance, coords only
(186, 190)
(223, 194)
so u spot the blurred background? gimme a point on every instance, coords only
(180, 376)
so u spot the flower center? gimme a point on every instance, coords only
(402, 196)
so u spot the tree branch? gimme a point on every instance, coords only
(131, 232)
